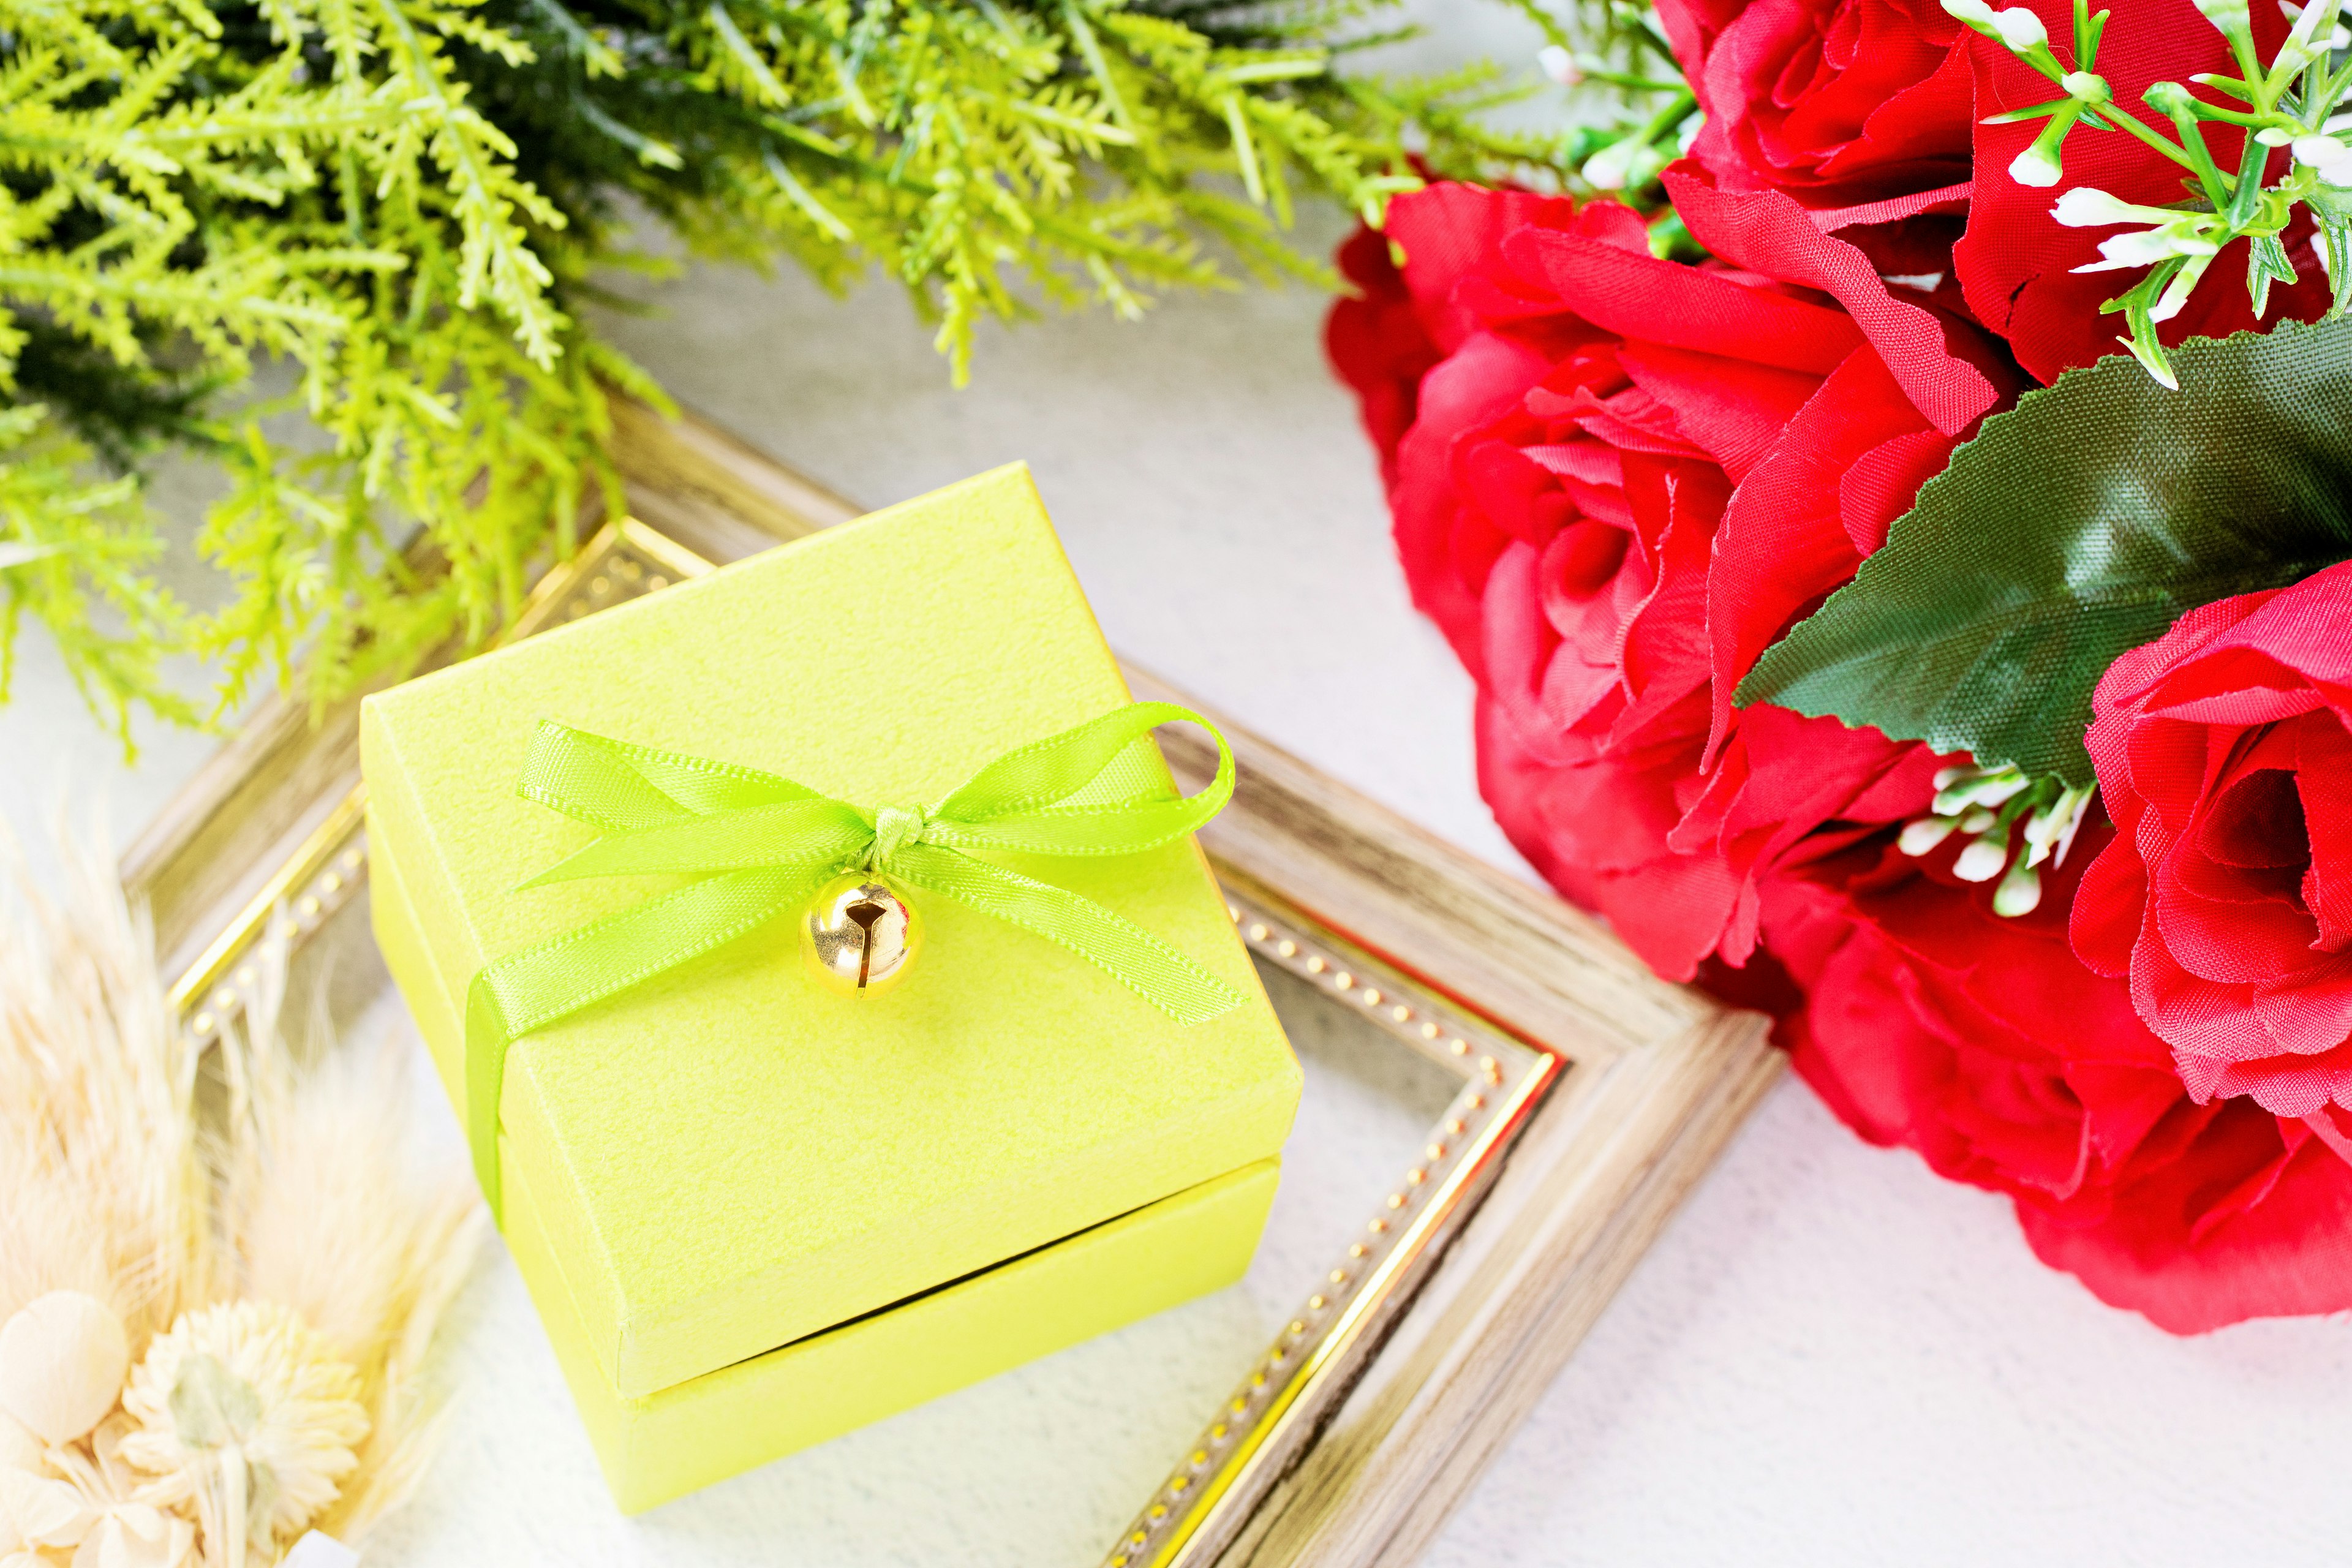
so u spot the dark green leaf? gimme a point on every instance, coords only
(2077, 526)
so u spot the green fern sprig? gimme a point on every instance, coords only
(70, 555)
(401, 205)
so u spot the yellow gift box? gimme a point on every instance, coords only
(754, 1212)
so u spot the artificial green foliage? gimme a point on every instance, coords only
(2080, 525)
(72, 556)
(392, 211)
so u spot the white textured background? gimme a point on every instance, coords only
(1830, 1358)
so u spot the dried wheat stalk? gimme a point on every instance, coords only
(219, 1272)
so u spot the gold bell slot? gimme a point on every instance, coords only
(865, 913)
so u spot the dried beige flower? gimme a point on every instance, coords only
(247, 1414)
(253, 1220)
(18, 1446)
(42, 1511)
(82, 1498)
(134, 1535)
(62, 1360)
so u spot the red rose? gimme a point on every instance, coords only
(2017, 263)
(1621, 480)
(1376, 342)
(2225, 758)
(1837, 102)
(1983, 1043)
(1857, 109)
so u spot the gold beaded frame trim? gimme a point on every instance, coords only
(1259, 1431)
(1290, 1389)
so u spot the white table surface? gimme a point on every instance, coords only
(1831, 1357)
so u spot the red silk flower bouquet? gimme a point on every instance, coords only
(1869, 636)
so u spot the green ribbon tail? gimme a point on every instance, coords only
(532, 989)
(1145, 965)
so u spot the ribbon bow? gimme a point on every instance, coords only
(760, 845)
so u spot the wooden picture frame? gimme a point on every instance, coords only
(1592, 1094)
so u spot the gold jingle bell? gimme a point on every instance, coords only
(859, 936)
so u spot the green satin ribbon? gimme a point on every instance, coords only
(760, 845)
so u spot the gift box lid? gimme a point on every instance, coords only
(730, 1157)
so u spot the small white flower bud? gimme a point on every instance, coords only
(1559, 65)
(2036, 167)
(1982, 860)
(2330, 157)
(1922, 834)
(2145, 248)
(2087, 206)
(1978, 821)
(2020, 892)
(2020, 30)
(1974, 13)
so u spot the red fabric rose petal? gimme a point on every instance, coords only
(2223, 752)
(1834, 102)
(1560, 502)
(1945, 366)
